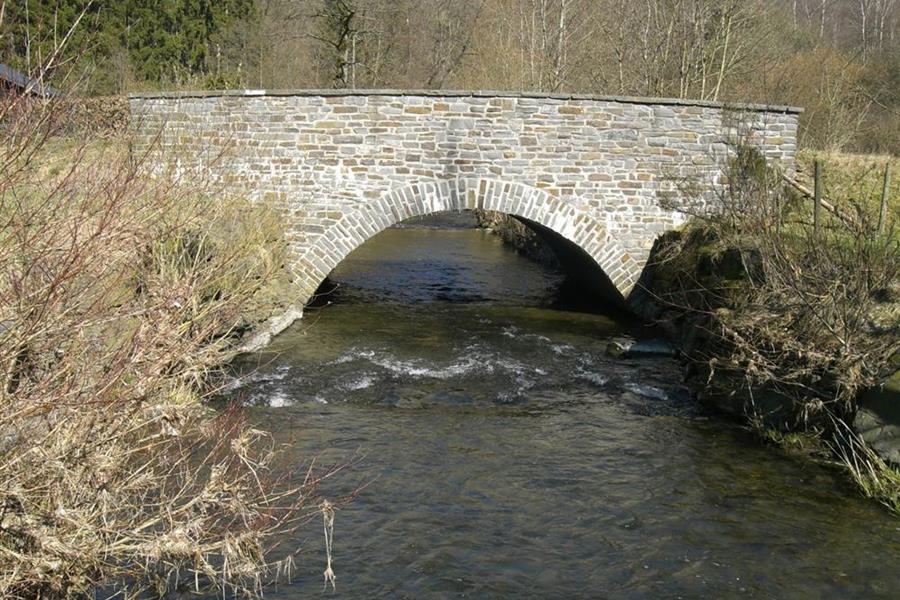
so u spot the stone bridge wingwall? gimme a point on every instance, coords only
(342, 165)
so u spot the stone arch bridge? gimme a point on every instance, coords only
(340, 166)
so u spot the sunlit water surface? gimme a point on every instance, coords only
(507, 456)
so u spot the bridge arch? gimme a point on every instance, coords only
(566, 218)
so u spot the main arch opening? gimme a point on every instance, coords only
(436, 309)
(581, 241)
(471, 256)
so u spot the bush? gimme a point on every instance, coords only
(119, 295)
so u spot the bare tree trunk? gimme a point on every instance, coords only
(864, 27)
(724, 59)
(27, 40)
(544, 36)
(560, 47)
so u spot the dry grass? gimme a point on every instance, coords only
(873, 476)
(120, 293)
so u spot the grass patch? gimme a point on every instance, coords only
(808, 443)
(874, 477)
(855, 181)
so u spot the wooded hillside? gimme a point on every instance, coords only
(838, 58)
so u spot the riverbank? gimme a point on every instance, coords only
(790, 326)
(793, 332)
(517, 235)
(124, 288)
(761, 360)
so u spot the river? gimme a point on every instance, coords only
(506, 455)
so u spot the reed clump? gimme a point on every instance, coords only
(121, 291)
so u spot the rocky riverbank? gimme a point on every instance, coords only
(749, 356)
(514, 233)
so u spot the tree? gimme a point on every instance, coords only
(174, 42)
(160, 41)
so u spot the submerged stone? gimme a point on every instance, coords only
(640, 348)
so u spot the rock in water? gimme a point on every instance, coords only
(878, 419)
(640, 349)
(617, 349)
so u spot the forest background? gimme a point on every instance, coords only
(840, 59)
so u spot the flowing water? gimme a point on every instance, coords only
(505, 455)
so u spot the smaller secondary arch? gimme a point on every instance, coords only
(365, 220)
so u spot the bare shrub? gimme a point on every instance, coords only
(799, 316)
(119, 294)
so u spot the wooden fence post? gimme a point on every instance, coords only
(885, 192)
(817, 196)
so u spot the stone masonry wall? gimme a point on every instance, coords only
(342, 165)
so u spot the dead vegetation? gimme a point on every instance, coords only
(873, 476)
(120, 294)
(787, 322)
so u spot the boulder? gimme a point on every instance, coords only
(260, 337)
(878, 419)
